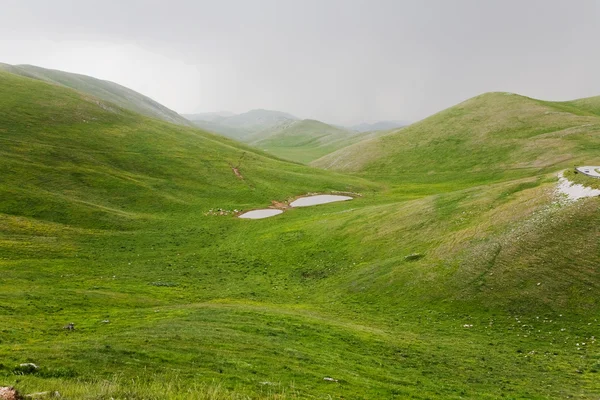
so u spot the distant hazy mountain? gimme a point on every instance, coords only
(258, 120)
(104, 90)
(284, 135)
(216, 127)
(209, 116)
(378, 126)
(304, 140)
(494, 131)
(243, 126)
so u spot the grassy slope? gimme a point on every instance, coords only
(243, 126)
(105, 90)
(304, 141)
(209, 306)
(590, 104)
(216, 127)
(577, 177)
(492, 136)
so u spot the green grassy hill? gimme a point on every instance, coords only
(414, 290)
(65, 148)
(304, 141)
(243, 126)
(220, 129)
(281, 134)
(379, 126)
(492, 136)
(208, 116)
(105, 90)
(590, 104)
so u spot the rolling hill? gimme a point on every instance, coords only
(378, 126)
(281, 134)
(242, 126)
(421, 287)
(208, 116)
(67, 129)
(495, 135)
(105, 90)
(304, 140)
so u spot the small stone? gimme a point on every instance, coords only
(42, 395)
(414, 257)
(29, 365)
(9, 393)
(328, 379)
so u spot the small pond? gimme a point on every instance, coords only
(258, 214)
(318, 199)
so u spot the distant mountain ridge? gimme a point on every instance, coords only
(497, 132)
(287, 136)
(105, 90)
(305, 140)
(208, 116)
(378, 126)
(240, 126)
(259, 119)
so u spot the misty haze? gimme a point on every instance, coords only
(285, 199)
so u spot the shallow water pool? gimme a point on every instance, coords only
(259, 214)
(318, 199)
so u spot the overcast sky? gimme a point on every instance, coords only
(341, 61)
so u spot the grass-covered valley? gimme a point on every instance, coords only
(286, 136)
(456, 272)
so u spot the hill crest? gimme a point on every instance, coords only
(497, 131)
(102, 89)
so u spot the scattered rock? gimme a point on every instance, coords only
(279, 205)
(105, 107)
(43, 395)
(9, 393)
(25, 369)
(70, 326)
(328, 379)
(414, 257)
(29, 365)
(220, 212)
(237, 173)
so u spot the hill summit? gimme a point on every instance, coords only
(101, 89)
(491, 135)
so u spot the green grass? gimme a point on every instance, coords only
(492, 137)
(305, 141)
(244, 126)
(103, 218)
(105, 90)
(578, 177)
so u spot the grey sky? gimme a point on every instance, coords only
(341, 61)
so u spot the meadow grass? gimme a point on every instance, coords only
(492, 137)
(105, 90)
(307, 140)
(582, 179)
(105, 223)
